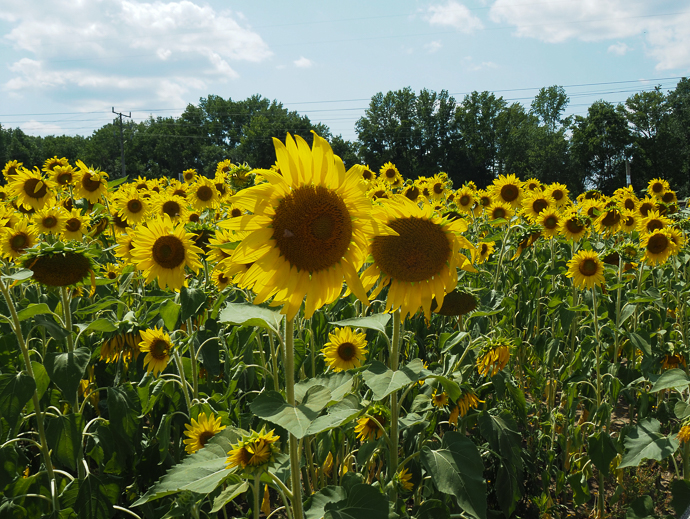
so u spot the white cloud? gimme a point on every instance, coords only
(455, 15)
(619, 48)
(433, 46)
(303, 62)
(34, 127)
(665, 28)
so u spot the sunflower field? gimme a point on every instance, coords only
(313, 342)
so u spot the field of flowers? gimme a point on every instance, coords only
(307, 341)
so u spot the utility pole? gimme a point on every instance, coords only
(122, 141)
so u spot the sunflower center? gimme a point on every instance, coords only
(19, 242)
(222, 278)
(134, 206)
(119, 222)
(220, 187)
(419, 252)
(159, 349)
(539, 205)
(312, 228)
(111, 275)
(204, 437)
(49, 222)
(657, 187)
(180, 192)
(204, 193)
(35, 188)
(412, 193)
(89, 183)
(73, 224)
(464, 200)
(438, 188)
(657, 244)
(629, 204)
(588, 267)
(64, 178)
(59, 270)
(367, 174)
(168, 252)
(390, 173)
(171, 208)
(654, 225)
(499, 212)
(484, 249)
(509, 192)
(194, 217)
(645, 208)
(236, 212)
(611, 219)
(557, 194)
(347, 351)
(668, 197)
(551, 222)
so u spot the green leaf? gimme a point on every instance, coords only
(680, 490)
(383, 381)
(227, 495)
(192, 300)
(15, 392)
(681, 410)
(449, 386)
(96, 497)
(20, 275)
(169, 311)
(432, 509)
(124, 409)
(362, 501)
(672, 378)
(163, 437)
(99, 325)
(641, 508)
(580, 488)
(376, 322)
(601, 450)
(337, 415)
(33, 309)
(338, 384)
(646, 442)
(201, 472)
(272, 406)
(456, 469)
(67, 369)
(9, 465)
(318, 502)
(64, 438)
(251, 315)
(640, 343)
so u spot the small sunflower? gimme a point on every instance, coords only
(15, 241)
(439, 398)
(586, 269)
(403, 478)
(157, 346)
(507, 189)
(162, 250)
(11, 169)
(368, 429)
(91, 183)
(188, 175)
(224, 167)
(50, 164)
(658, 246)
(132, 206)
(533, 185)
(684, 433)
(219, 277)
(203, 194)
(201, 431)
(626, 198)
(483, 251)
(535, 203)
(110, 271)
(574, 226)
(559, 192)
(380, 189)
(657, 187)
(465, 199)
(50, 220)
(124, 247)
(653, 222)
(174, 206)
(494, 357)
(646, 204)
(63, 175)
(550, 221)
(673, 361)
(254, 453)
(76, 225)
(345, 350)
(499, 213)
(438, 186)
(390, 174)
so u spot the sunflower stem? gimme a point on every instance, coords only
(16, 324)
(500, 256)
(295, 482)
(183, 380)
(256, 488)
(600, 498)
(274, 362)
(395, 347)
(192, 357)
(618, 310)
(67, 312)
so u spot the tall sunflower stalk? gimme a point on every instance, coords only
(394, 360)
(295, 482)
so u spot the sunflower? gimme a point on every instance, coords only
(241, 176)
(91, 184)
(608, 222)
(201, 431)
(673, 361)
(467, 401)
(32, 190)
(390, 174)
(131, 205)
(11, 169)
(219, 277)
(499, 213)
(368, 429)
(162, 250)
(124, 247)
(221, 183)
(438, 186)
(683, 435)
(421, 262)
(658, 246)
(203, 194)
(157, 346)
(439, 398)
(63, 176)
(573, 225)
(483, 251)
(254, 453)
(188, 175)
(16, 240)
(464, 198)
(669, 197)
(628, 221)
(50, 164)
(586, 269)
(657, 187)
(174, 206)
(483, 198)
(493, 358)
(412, 192)
(559, 192)
(403, 479)
(455, 303)
(76, 225)
(535, 203)
(50, 220)
(678, 238)
(533, 185)
(58, 265)
(345, 349)
(550, 221)
(110, 271)
(224, 167)
(646, 204)
(367, 174)
(508, 190)
(626, 198)
(653, 222)
(379, 189)
(308, 231)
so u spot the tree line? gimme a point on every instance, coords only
(475, 139)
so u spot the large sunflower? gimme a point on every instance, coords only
(201, 431)
(345, 349)
(574, 226)
(507, 189)
(157, 346)
(15, 241)
(535, 203)
(32, 190)
(309, 229)
(76, 225)
(50, 220)
(658, 246)
(586, 269)
(162, 250)
(421, 262)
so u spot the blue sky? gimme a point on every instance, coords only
(66, 63)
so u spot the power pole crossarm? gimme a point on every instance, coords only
(122, 141)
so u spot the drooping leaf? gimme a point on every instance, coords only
(641, 508)
(432, 509)
(124, 408)
(228, 494)
(169, 312)
(376, 322)
(318, 502)
(32, 310)
(67, 369)
(9, 464)
(251, 315)
(646, 442)
(363, 501)
(296, 419)
(680, 490)
(457, 469)
(601, 450)
(337, 415)
(192, 300)
(672, 378)
(383, 381)
(96, 497)
(20, 275)
(339, 384)
(64, 437)
(15, 392)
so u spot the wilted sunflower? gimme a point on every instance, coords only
(32, 190)
(368, 429)
(493, 358)
(91, 183)
(586, 269)
(673, 361)
(658, 246)
(163, 250)
(390, 174)
(467, 401)
(455, 303)
(403, 478)
(59, 265)
(483, 251)
(125, 345)
(157, 346)
(201, 431)
(254, 453)
(439, 398)
(15, 241)
(345, 349)
(308, 231)
(421, 262)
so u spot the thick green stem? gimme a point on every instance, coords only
(500, 256)
(394, 359)
(183, 380)
(67, 313)
(600, 498)
(192, 357)
(257, 495)
(618, 310)
(295, 482)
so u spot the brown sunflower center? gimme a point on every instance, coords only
(159, 349)
(346, 351)
(629, 204)
(498, 212)
(204, 193)
(236, 212)
(168, 252)
(204, 437)
(484, 249)
(588, 267)
(390, 173)
(134, 206)
(89, 183)
(412, 193)
(188, 176)
(49, 222)
(19, 242)
(557, 194)
(171, 208)
(220, 187)
(64, 178)
(612, 218)
(73, 224)
(111, 275)
(539, 205)
(645, 208)
(222, 278)
(654, 225)
(35, 188)
(419, 252)
(464, 200)
(59, 270)
(657, 187)
(668, 197)
(658, 244)
(438, 188)
(367, 174)
(509, 192)
(194, 217)
(550, 222)
(119, 222)
(312, 228)
(574, 226)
